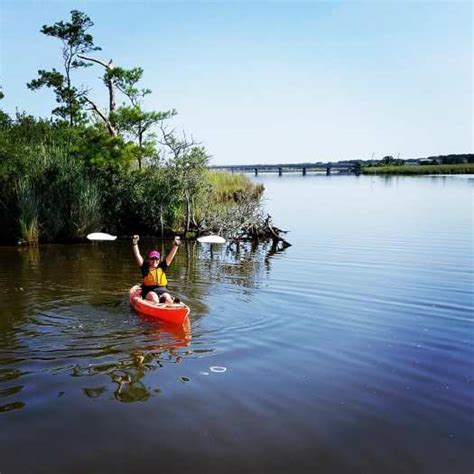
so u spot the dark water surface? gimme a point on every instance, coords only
(350, 352)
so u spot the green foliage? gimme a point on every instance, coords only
(189, 167)
(61, 179)
(73, 34)
(97, 149)
(69, 96)
(126, 82)
(138, 200)
(135, 123)
(58, 183)
(75, 41)
(132, 121)
(129, 123)
(46, 191)
(70, 198)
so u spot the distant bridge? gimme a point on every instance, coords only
(341, 167)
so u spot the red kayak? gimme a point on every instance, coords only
(172, 313)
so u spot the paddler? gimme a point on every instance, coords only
(153, 272)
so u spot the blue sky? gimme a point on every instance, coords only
(271, 82)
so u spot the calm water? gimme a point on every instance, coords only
(351, 351)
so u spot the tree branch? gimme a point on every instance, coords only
(98, 61)
(106, 120)
(109, 83)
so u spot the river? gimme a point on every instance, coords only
(351, 351)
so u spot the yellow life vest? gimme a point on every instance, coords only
(155, 277)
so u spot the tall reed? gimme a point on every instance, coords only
(28, 209)
(85, 209)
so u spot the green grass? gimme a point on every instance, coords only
(464, 168)
(28, 210)
(228, 186)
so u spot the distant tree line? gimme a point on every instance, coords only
(430, 160)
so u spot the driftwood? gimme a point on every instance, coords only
(244, 224)
(264, 230)
(243, 220)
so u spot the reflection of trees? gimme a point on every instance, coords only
(195, 264)
(167, 344)
(9, 375)
(101, 274)
(241, 264)
(19, 267)
(80, 282)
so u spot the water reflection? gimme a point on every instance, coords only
(64, 315)
(361, 328)
(7, 376)
(162, 345)
(11, 406)
(242, 264)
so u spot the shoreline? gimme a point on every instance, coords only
(463, 168)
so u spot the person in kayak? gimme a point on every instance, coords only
(153, 271)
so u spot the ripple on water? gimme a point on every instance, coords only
(83, 342)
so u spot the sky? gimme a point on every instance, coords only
(275, 81)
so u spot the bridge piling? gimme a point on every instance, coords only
(339, 167)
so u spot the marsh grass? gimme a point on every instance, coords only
(230, 202)
(85, 210)
(464, 168)
(226, 187)
(28, 210)
(48, 195)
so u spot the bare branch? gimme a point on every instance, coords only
(109, 83)
(98, 61)
(106, 120)
(177, 146)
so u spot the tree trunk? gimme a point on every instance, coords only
(106, 120)
(140, 141)
(67, 65)
(110, 86)
(188, 215)
(110, 83)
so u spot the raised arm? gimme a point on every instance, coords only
(173, 250)
(136, 250)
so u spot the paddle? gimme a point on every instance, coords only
(208, 239)
(101, 236)
(211, 239)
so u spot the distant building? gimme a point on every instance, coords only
(412, 162)
(429, 161)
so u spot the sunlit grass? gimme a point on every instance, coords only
(463, 168)
(226, 187)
